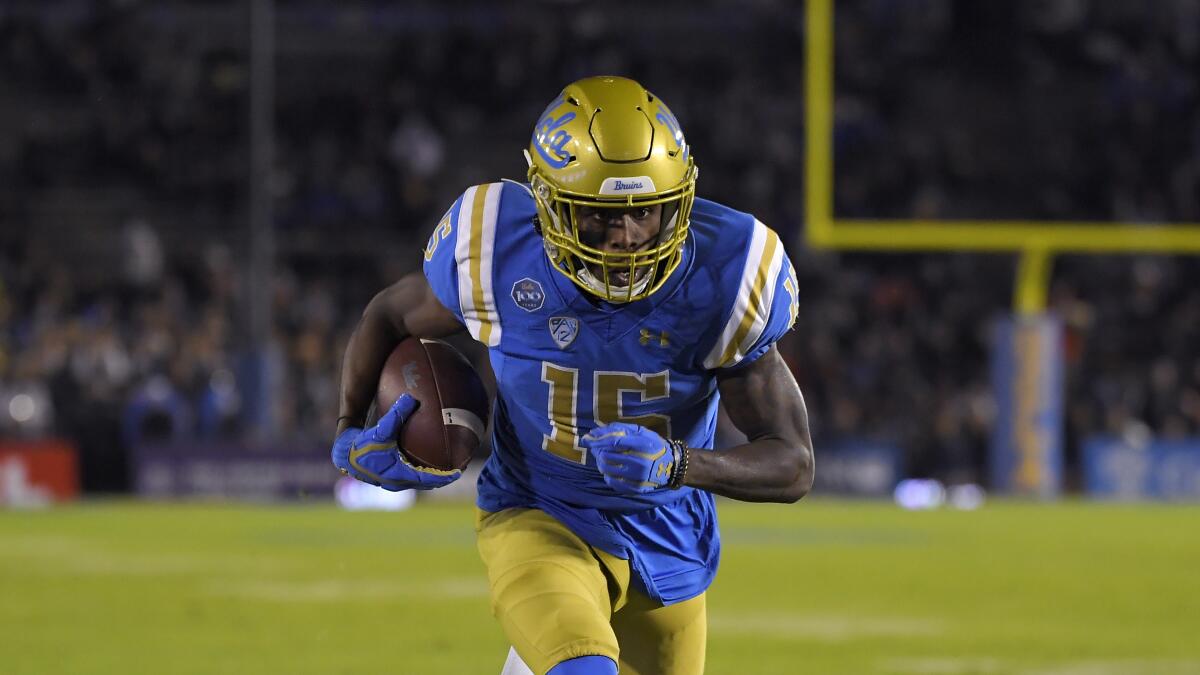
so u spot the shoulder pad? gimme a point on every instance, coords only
(758, 314)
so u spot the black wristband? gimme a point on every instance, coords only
(679, 472)
(354, 421)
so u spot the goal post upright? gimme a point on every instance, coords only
(1027, 368)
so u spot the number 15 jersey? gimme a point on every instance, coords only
(566, 363)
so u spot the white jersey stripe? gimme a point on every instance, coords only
(752, 307)
(765, 297)
(473, 255)
(490, 313)
(462, 257)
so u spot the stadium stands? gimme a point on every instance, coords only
(123, 164)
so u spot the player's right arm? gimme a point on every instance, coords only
(373, 455)
(425, 305)
(407, 307)
(421, 303)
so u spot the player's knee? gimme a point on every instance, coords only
(585, 665)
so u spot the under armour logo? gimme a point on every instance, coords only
(648, 336)
(664, 470)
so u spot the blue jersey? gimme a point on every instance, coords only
(565, 363)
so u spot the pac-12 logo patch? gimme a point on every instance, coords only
(564, 329)
(528, 295)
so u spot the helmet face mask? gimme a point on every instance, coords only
(606, 142)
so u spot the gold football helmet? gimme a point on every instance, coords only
(607, 142)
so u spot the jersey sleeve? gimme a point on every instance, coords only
(441, 270)
(765, 306)
(458, 261)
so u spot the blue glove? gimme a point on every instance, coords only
(373, 456)
(632, 458)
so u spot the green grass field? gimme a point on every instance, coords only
(821, 587)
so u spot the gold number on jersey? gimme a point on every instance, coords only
(563, 439)
(607, 405)
(439, 233)
(793, 290)
(607, 396)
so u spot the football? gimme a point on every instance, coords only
(449, 423)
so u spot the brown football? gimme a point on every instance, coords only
(449, 424)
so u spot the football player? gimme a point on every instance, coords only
(618, 309)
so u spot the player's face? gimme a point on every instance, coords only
(619, 230)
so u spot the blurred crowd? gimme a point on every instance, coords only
(124, 161)
(1035, 109)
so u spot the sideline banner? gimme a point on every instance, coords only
(37, 473)
(859, 468)
(233, 470)
(1027, 380)
(1167, 470)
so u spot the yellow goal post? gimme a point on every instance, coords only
(1036, 241)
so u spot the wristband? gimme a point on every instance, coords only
(679, 471)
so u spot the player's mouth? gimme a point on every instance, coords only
(620, 278)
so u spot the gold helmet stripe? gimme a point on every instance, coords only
(756, 294)
(473, 254)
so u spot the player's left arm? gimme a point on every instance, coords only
(762, 398)
(776, 464)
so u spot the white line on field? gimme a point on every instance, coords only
(828, 628)
(1121, 667)
(58, 555)
(338, 590)
(945, 666)
(993, 666)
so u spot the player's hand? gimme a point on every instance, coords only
(373, 456)
(632, 458)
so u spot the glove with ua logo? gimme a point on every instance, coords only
(373, 456)
(634, 459)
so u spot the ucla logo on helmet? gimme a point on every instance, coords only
(550, 139)
(528, 295)
(667, 119)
